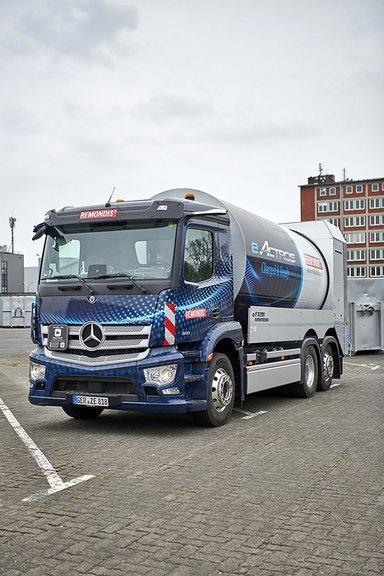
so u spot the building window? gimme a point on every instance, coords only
(376, 220)
(4, 276)
(376, 237)
(355, 237)
(376, 203)
(351, 221)
(334, 221)
(375, 187)
(359, 188)
(376, 271)
(327, 207)
(354, 204)
(332, 191)
(349, 189)
(376, 254)
(322, 191)
(356, 255)
(356, 271)
(322, 207)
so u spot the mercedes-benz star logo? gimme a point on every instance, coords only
(91, 335)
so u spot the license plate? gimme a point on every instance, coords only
(90, 401)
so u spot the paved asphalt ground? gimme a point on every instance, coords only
(295, 490)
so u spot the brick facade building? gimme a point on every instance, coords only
(357, 208)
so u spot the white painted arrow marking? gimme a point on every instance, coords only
(55, 482)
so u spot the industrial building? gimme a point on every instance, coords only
(357, 208)
(11, 272)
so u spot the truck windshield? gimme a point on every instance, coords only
(141, 250)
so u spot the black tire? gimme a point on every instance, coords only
(221, 393)
(309, 382)
(82, 412)
(328, 368)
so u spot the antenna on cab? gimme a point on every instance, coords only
(107, 205)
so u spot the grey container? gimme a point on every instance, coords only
(365, 314)
(15, 311)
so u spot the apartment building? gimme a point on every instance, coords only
(357, 208)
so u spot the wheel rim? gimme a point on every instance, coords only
(328, 365)
(222, 390)
(310, 371)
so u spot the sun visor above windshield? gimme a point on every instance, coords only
(122, 211)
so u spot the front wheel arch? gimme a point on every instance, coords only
(220, 393)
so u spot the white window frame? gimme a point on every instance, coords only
(376, 271)
(327, 207)
(376, 254)
(354, 204)
(322, 191)
(333, 207)
(354, 221)
(357, 189)
(355, 237)
(376, 220)
(356, 255)
(356, 271)
(374, 235)
(376, 203)
(349, 189)
(375, 187)
(332, 190)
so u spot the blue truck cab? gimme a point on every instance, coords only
(135, 311)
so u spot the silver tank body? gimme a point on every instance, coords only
(272, 265)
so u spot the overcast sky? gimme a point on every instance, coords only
(240, 98)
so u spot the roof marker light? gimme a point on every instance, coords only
(189, 196)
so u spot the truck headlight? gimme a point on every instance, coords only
(161, 374)
(36, 371)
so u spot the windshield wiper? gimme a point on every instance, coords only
(75, 277)
(122, 275)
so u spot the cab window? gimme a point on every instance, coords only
(198, 255)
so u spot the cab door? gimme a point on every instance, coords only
(205, 297)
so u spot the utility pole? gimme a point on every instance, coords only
(12, 222)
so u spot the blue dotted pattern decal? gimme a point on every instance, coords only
(108, 309)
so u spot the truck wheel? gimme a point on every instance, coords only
(307, 387)
(82, 412)
(221, 393)
(328, 368)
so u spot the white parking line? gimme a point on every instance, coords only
(249, 415)
(370, 366)
(55, 482)
(335, 385)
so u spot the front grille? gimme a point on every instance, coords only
(83, 385)
(121, 344)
